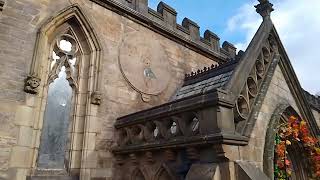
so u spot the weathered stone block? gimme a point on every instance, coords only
(89, 159)
(21, 157)
(24, 116)
(26, 134)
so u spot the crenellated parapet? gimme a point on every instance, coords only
(164, 21)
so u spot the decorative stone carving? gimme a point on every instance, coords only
(144, 64)
(192, 153)
(149, 157)
(133, 159)
(32, 82)
(242, 108)
(273, 44)
(169, 155)
(252, 87)
(96, 98)
(266, 55)
(119, 160)
(65, 59)
(1, 4)
(260, 69)
(264, 8)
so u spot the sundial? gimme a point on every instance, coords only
(144, 64)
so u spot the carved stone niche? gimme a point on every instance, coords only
(32, 82)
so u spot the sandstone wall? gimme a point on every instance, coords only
(20, 132)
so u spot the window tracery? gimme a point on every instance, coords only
(64, 55)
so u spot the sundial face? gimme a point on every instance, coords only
(144, 63)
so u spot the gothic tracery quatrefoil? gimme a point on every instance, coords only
(65, 50)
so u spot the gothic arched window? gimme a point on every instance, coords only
(62, 81)
(64, 78)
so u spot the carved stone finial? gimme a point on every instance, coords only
(32, 82)
(264, 8)
(96, 98)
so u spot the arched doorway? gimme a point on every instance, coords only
(288, 146)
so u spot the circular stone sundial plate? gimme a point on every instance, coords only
(144, 63)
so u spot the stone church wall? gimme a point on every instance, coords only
(20, 133)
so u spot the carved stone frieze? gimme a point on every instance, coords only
(32, 82)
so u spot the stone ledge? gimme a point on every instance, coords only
(179, 142)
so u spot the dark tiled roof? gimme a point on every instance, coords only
(313, 100)
(206, 80)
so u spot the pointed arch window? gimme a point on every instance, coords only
(62, 81)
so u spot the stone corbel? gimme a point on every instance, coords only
(96, 98)
(32, 82)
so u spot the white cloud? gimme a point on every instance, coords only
(298, 24)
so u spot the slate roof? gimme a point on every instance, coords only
(205, 80)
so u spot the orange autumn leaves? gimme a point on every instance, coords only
(295, 130)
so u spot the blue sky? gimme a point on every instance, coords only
(209, 14)
(297, 22)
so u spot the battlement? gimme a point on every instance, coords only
(164, 19)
